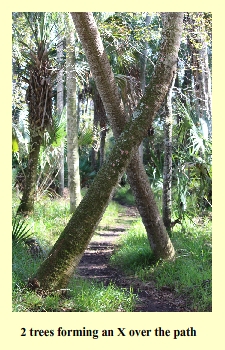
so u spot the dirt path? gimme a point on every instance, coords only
(94, 265)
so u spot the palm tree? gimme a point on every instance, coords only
(38, 75)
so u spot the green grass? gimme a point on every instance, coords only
(124, 195)
(23, 265)
(191, 272)
(83, 296)
(134, 251)
(46, 224)
(188, 275)
(92, 296)
(110, 216)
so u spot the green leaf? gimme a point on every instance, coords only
(15, 145)
(20, 232)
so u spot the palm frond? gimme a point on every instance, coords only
(57, 132)
(20, 232)
(86, 137)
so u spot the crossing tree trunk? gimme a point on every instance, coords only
(137, 177)
(57, 269)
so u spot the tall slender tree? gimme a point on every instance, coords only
(72, 122)
(58, 267)
(60, 105)
(143, 62)
(167, 166)
(200, 69)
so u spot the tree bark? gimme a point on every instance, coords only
(201, 74)
(57, 269)
(143, 59)
(26, 206)
(167, 166)
(39, 101)
(60, 104)
(104, 78)
(99, 119)
(143, 64)
(72, 125)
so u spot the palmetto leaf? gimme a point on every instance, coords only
(86, 137)
(56, 134)
(20, 232)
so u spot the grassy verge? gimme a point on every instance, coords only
(83, 296)
(189, 275)
(46, 224)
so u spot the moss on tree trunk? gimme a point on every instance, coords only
(57, 269)
(88, 32)
(26, 206)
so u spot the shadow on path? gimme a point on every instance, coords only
(94, 265)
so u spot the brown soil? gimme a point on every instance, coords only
(94, 265)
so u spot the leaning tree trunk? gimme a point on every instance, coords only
(56, 271)
(72, 125)
(137, 177)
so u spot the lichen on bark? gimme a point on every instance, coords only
(57, 269)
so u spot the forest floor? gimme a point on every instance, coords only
(95, 265)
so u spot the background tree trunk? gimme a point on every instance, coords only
(60, 105)
(94, 150)
(167, 166)
(202, 75)
(72, 125)
(143, 73)
(57, 269)
(101, 121)
(39, 101)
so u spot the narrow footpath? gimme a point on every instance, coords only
(94, 265)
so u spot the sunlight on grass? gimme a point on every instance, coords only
(110, 215)
(134, 250)
(48, 221)
(84, 296)
(189, 275)
(191, 272)
(94, 297)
